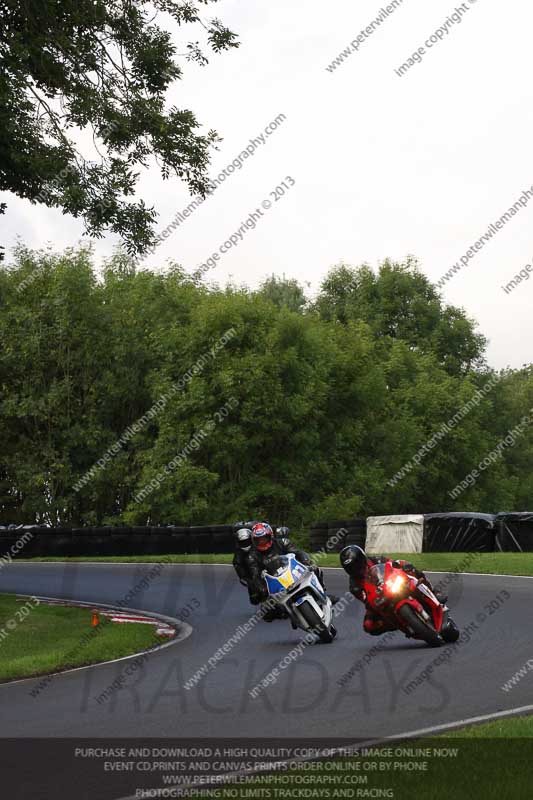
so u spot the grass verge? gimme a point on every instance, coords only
(46, 639)
(486, 563)
(470, 763)
(511, 728)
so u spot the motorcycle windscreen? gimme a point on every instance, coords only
(297, 570)
(377, 574)
(289, 573)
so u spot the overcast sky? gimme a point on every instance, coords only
(383, 166)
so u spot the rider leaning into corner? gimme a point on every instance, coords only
(357, 564)
(264, 555)
(243, 546)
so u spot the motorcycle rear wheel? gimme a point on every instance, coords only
(419, 627)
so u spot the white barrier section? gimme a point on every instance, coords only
(396, 534)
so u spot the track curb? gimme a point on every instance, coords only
(183, 631)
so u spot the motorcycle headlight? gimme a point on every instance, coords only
(395, 585)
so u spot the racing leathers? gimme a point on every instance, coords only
(240, 564)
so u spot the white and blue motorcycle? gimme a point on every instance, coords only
(297, 593)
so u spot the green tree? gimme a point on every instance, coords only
(53, 345)
(399, 302)
(101, 67)
(284, 293)
(322, 414)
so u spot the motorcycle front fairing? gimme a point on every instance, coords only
(287, 576)
(390, 587)
(293, 584)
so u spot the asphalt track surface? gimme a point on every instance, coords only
(307, 700)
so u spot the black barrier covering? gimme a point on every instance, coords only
(159, 540)
(333, 536)
(123, 540)
(355, 533)
(281, 769)
(62, 543)
(35, 541)
(514, 532)
(199, 540)
(179, 540)
(223, 538)
(17, 541)
(318, 538)
(454, 531)
(355, 536)
(459, 532)
(7, 544)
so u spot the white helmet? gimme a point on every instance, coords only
(244, 539)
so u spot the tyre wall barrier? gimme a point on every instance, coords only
(30, 541)
(331, 537)
(450, 532)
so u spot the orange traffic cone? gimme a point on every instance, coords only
(96, 620)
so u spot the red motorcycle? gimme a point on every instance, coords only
(408, 604)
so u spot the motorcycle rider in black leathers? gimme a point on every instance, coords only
(241, 560)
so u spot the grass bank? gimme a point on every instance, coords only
(38, 639)
(486, 563)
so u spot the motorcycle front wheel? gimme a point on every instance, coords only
(315, 623)
(419, 626)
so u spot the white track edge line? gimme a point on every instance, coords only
(368, 743)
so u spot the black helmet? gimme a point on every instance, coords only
(353, 560)
(244, 539)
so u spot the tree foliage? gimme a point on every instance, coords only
(325, 403)
(74, 72)
(399, 302)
